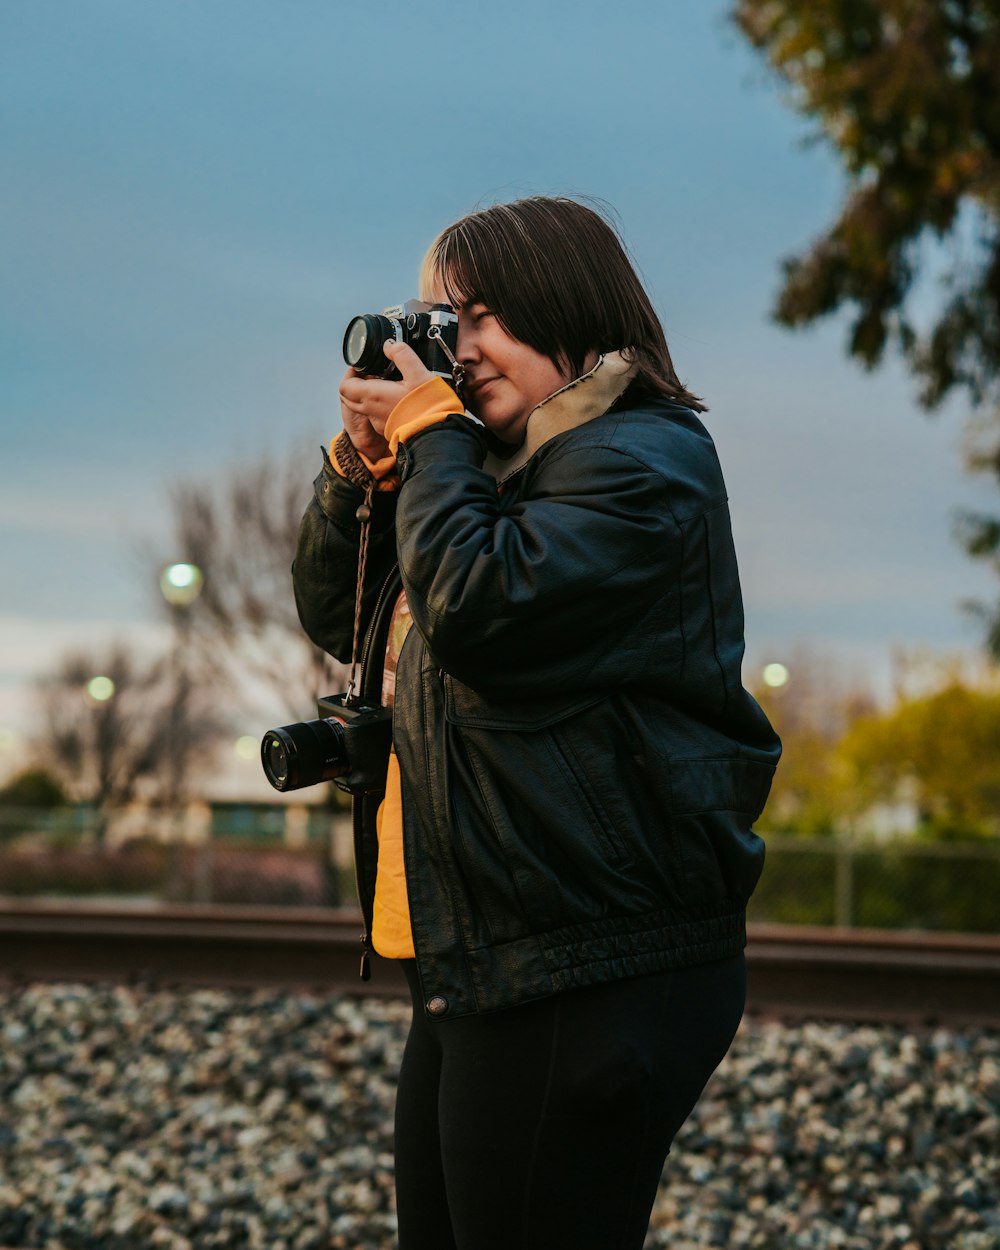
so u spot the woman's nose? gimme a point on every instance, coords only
(466, 349)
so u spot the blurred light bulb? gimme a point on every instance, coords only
(247, 747)
(181, 583)
(100, 689)
(775, 675)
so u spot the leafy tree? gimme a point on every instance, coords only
(33, 787)
(908, 93)
(941, 749)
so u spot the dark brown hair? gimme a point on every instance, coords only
(556, 276)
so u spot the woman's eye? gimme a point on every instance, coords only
(480, 314)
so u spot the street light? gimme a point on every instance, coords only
(247, 747)
(181, 583)
(775, 675)
(100, 689)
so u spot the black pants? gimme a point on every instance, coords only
(545, 1126)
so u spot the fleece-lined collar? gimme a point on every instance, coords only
(586, 397)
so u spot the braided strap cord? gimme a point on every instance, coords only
(350, 463)
(358, 474)
(364, 516)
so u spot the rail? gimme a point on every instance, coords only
(793, 971)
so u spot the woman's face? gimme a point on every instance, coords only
(505, 379)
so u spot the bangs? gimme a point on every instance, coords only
(467, 270)
(450, 272)
(458, 272)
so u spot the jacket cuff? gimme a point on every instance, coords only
(357, 468)
(339, 499)
(461, 440)
(424, 406)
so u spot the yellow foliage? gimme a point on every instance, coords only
(937, 747)
(942, 748)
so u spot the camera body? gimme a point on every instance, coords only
(429, 329)
(348, 745)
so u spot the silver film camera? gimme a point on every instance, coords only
(430, 329)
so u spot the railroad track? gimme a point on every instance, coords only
(793, 971)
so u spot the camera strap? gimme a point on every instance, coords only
(457, 369)
(364, 516)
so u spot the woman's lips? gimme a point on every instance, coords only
(479, 386)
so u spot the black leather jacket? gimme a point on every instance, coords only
(580, 763)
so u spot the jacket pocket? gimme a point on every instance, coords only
(559, 837)
(565, 758)
(714, 804)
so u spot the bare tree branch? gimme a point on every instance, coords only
(147, 737)
(240, 528)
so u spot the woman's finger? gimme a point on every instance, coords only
(408, 363)
(371, 394)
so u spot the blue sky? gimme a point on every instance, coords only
(196, 197)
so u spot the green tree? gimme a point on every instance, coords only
(33, 787)
(941, 750)
(908, 94)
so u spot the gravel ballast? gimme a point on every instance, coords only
(133, 1117)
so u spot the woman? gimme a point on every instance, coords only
(564, 845)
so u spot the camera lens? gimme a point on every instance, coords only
(363, 341)
(356, 340)
(275, 757)
(304, 754)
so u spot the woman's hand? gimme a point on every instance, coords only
(365, 403)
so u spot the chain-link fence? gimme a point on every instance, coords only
(302, 856)
(902, 883)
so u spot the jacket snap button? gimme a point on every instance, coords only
(437, 1005)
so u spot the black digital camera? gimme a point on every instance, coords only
(348, 745)
(430, 329)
